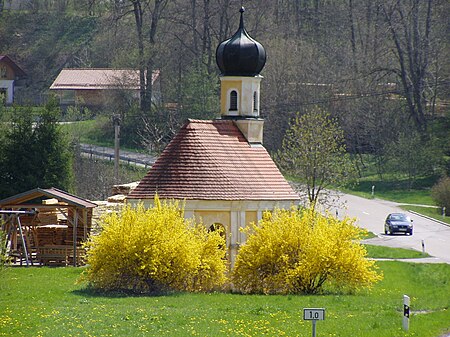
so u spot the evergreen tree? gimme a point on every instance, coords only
(52, 149)
(34, 153)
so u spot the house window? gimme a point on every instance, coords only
(233, 100)
(255, 101)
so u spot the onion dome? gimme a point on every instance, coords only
(240, 55)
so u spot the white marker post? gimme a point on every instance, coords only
(314, 315)
(405, 312)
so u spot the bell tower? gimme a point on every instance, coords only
(240, 60)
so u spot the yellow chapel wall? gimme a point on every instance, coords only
(251, 216)
(231, 214)
(225, 88)
(211, 217)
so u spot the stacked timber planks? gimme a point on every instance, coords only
(52, 235)
(48, 216)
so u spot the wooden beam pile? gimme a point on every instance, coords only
(48, 216)
(52, 236)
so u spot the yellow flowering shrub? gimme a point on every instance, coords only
(154, 250)
(297, 251)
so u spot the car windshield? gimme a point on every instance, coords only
(399, 217)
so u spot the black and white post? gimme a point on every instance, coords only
(405, 312)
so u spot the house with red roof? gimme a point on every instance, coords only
(94, 87)
(220, 168)
(10, 78)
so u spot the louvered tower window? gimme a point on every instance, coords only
(233, 100)
(255, 102)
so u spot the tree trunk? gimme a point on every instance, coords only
(138, 18)
(206, 47)
(412, 49)
(194, 26)
(352, 34)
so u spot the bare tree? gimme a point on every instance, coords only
(158, 129)
(410, 24)
(147, 13)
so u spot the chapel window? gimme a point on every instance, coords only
(233, 100)
(255, 101)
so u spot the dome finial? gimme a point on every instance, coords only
(242, 10)
(240, 55)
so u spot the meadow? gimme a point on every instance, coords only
(48, 302)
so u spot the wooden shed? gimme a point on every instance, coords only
(46, 226)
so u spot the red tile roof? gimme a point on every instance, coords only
(212, 160)
(94, 78)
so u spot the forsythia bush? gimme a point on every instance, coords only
(297, 251)
(154, 250)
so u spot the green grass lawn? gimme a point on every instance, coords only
(48, 302)
(393, 191)
(382, 252)
(435, 213)
(369, 235)
(86, 132)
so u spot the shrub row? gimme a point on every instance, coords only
(290, 251)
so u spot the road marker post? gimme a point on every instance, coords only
(314, 315)
(405, 312)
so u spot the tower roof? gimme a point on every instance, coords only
(212, 160)
(240, 55)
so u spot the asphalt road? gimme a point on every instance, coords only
(371, 213)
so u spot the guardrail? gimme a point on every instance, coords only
(108, 154)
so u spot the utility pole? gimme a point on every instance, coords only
(116, 122)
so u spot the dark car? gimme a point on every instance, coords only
(398, 223)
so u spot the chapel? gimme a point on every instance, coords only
(219, 168)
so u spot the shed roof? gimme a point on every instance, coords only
(96, 79)
(70, 199)
(212, 160)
